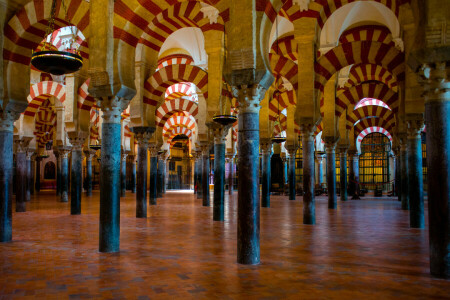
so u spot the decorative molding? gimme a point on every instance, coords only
(399, 44)
(303, 4)
(211, 13)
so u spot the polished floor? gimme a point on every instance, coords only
(362, 250)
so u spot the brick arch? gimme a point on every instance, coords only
(178, 130)
(368, 131)
(178, 90)
(282, 66)
(366, 90)
(361, 52)
(370, 111)
(157, 84)
(179, 120)
(175, 59)
(170, 107)
(41, 91)
(181, 15)
(370, 72)
(375, 122)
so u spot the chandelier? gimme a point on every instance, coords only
(53, 61)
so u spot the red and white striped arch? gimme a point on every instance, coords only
(282, 66)
(376, 33)
(370, 111)
(175, 59)
(178, 90)
(41, 91)
(168, 108)
(370, 72)
(181, 121)
(368, 131)
(177, 131)
(85, 101)
(279, 102)
(287, 47)
(371, 101)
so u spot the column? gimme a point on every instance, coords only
(123, 174)
(153, 173)
(6, 172)
(133, 174)
(58, 172)
(76, 172)
(319, 160)
(330, 147)
(248, 250)
(21, 174)
(309, 205)
(195, 174)
(160, 174)
(397, 186)
(354, 174)
(109, 233)
(64, 155)
(164, 173)
(199, 175)
(142, 136)
(29, 177)
(343, 173)
(89, 156)
(32, 173)
(205, 175)
(220, 135)
(230, 175)
(266, 151)
(292, 150)
(285, 172)
(437, 110)
(38, 174)
(404, 172)
(415, 180)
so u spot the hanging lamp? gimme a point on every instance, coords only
(52, 61)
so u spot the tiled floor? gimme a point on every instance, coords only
(362, 250)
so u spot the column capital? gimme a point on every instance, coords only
(77, 138)
(21, 145)
(89, 153)
(265, 146)
(153, 148)
(249, 97)
(291, 149)
(307, 130)
(143, 135)
(415, 128)
(402, 141)
(220, 132)
(330, 143)
(124, 156)
(7, 119)
(29, 154)
(205, 148)
(112, 108)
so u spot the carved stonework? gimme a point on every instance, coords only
(77, 139)
(89, 154)
(266, 146)
(436, 82)
(143, 135)
(64, 152)
(211, 13)
(303, 4)
(112, 108)
(21, 145)
(292, 150)
(399, 44)
(205, 149)
(220, 133)
(153, 149)
(124, 157)
(307, 130)
(249, 98)
(415, 128)
(7, 119)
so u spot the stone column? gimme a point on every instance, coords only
(319, 160)
(230, 174)
(309, 205)
(266, 151)
(195, 174)
(160, 174)
(404, 172)
(285, 171)
(142, 135)
(123, 175)
(355, 167)
(248, 251)
(343, 173)
(164, 182)
(109, 233)
(37, 185)
(330, 147)
(21, 173)
(199, 158)
(89, 156)
(133, 174)
(29, 177)
(33, 173)
(220, 136)
(292, 150)
(437, 110)
(64, 155)
(153, 173)
(58, 172)
(205, 175)
(76, 181)
(6, 173)
(415, 172)
(397, 187)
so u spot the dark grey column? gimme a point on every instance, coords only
(266, 151)
(195, 175)
(58, 172)
(38, 174)
(133, 175)
(32, 173)
(64, 154)
(230, 175)
(109, 233)
(123, 174)
(438, 163)
(153, 174)
(199, 176)
(292, 150)
(219, 174)
(397, 173)
(355, 166)
(248, 228)
(89, 156)
(319, 160)
(29, 178)
(164, 183)
(415, 180)
(343, 173)
(331, 173)
(21, 180)
(309, 205)
(404, 173)
(160, 178)
(205, 175)
(76, 187)
(6, 175)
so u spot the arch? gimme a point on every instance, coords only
(285, 99)
(287, 47)
(178, 90)
(179, 120)
(361, 52)
(370, 72)
(360, 113)
(366, 90)
(375, 122)
(157, 84)
(169, 107)
(175, 59)
(371, 101)
(40, 91)
(176, 131)
(375, 33)
(370, 130)
(282, 66)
